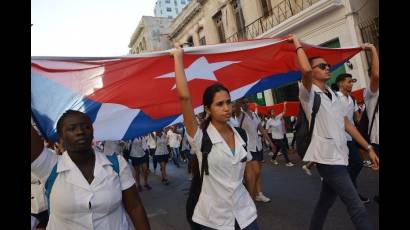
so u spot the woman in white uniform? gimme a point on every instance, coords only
(224, 202)
(161, 154)
(88, 192)
(139, 156)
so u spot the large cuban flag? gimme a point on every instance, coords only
(130, 96)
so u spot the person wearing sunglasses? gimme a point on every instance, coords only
(328, 146)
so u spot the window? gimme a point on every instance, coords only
(201, 35)
(266, 7)
(167, 1)
(183, 2)
(219, 26)
(240, 21)
(169, 9)
(169, 16)
(175, 2)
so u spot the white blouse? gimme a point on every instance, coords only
(76, 204)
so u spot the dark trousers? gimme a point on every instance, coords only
(355, 162)
(293, 140)
(154, 161)
(280, 145)
(337, 182)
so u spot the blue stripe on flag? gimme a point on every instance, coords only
(143, 124)
(53, 99)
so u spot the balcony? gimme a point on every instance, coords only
(278, 14)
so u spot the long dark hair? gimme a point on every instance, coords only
(207, 99)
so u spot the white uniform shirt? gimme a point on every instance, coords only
(139, 144)
(174, 139)
(275, 125)
(72, 195)
(223, 197)
(250, 125)
(350, 108)
(370, 99)
(111, 147)
(161, 145)
(151, 141)
(184, 142)
(328, 144)
(233, 122)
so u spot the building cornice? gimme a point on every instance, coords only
(305, 16)
(186, 18)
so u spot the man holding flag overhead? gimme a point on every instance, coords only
(328, 146)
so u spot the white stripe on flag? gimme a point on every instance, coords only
(112, 121)
(235, 95)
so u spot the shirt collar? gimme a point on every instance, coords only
(215, 137)
(67, 164)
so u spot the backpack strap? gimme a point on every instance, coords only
(206, 147)
(374, 115)
(242, 132)
(242, 118)
(49, 185)
(114, 161)
(315, 109)
(53, 176)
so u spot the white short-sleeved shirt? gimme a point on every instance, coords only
(174, 139)
(275, 125)
(250, 125)
(111, 147)
(138, 146)
(223, 197)
(233, 122)
(370, 99)
(350, 106)
(328, 144)
(151, 141)
(76, 204)
(161, 145)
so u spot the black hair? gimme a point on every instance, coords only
(311, 59)
(207, 99)
(334, 87)
(64, 116)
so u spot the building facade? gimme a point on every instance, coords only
(169, 8)
(328, 23)
(151, 34)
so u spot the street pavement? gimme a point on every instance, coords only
(293, 197)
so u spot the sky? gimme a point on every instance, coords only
(85, 28)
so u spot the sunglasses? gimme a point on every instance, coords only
(322, 66)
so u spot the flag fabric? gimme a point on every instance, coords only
(132, 95)
(292, 108)
(358, 95)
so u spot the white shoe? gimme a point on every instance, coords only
(270, 154)
(307, 171)
(290, 164)
(280, 153)
(262, 198)
(275, 162)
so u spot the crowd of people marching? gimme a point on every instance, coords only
(79, 183)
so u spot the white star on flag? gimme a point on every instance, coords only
(201, 69)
